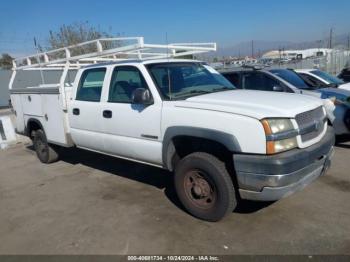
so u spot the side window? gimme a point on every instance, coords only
(311, 81)
(270, 83)
(259, 81)
(90, 85)
(233, 78)
(253, 81)
(125, 80)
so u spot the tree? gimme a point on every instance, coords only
(74, 34)
(6, 61)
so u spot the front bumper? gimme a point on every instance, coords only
(269, 178)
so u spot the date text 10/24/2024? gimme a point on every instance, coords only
(173, 258)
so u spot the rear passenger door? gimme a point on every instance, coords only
(132, 130)
(85, 111)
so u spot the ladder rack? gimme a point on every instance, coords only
(107, 50)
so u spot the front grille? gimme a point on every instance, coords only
(310, 118)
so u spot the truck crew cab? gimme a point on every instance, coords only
(223, 144)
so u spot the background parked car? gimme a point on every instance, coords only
(345, 75)
(318, 78)
(285, 80)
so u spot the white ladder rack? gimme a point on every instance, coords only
(106, 50)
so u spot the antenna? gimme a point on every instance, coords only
(38, 58)
(168, 71)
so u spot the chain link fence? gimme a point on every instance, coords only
(333, 62)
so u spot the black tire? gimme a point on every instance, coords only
(204, 186)
(46, 153)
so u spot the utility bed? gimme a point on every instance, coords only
(46, 105)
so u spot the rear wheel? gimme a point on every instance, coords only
(204, 186)
(46, 153)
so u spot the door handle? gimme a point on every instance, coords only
(107, 114)
(76, 111)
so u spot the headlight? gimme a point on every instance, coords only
(277, 125)
(280, 135)
(335, 101)
(273, 147)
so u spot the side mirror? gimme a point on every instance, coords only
(142, 96)
(278, 89)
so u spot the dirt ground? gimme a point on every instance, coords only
(93, 204)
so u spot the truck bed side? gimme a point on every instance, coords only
(42, 105)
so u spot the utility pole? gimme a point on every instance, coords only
(252, 48)
(330, 38)
(279, 52)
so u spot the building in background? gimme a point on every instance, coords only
(296, 54)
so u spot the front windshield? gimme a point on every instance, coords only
(291, 77)
(329, 78)
(182, 80)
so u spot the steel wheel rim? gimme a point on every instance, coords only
(200, 190)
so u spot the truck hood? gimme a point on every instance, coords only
(256, 104)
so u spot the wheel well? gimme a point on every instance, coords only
(33, 125)
(185, 145)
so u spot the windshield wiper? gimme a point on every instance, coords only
(189, 93)
(201, 92)
(224, 88)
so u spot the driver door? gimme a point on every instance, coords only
(131, 130)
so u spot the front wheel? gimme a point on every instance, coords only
(46, 153)
(204, 186)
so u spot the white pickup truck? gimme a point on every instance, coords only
(222, 144)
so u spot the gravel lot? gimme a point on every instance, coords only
(93, 204)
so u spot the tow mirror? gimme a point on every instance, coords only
(278, 89)
(142, 96)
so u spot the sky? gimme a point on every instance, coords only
(226, 22)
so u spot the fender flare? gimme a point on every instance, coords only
(168, 150)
